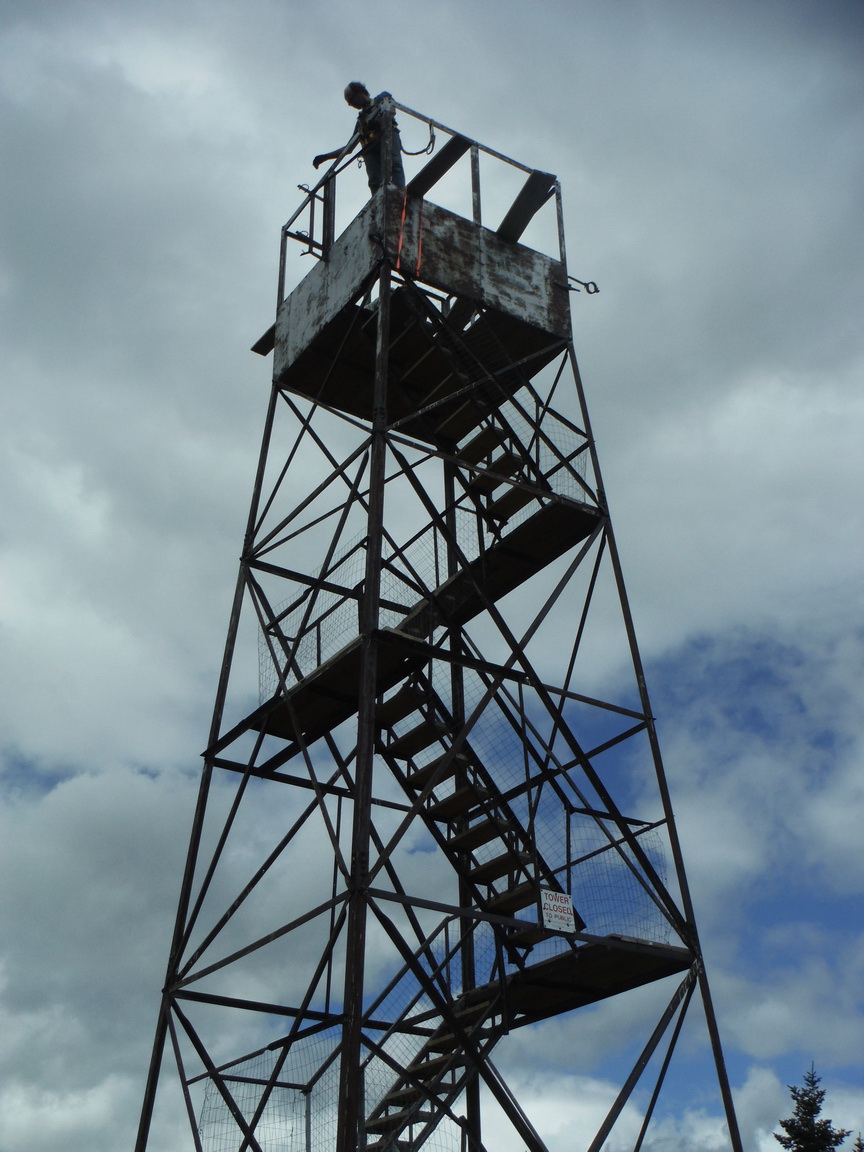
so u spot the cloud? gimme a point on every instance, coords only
(711, 160)
(41, 1118)
(766, 730)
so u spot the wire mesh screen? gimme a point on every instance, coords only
(319, 624)
(581, 851)
(322, 621)
(606, 883)
(289, 1101)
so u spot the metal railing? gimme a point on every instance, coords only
(313, 223)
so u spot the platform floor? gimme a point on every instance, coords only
(427, 370)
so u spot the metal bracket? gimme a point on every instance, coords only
(589, 286)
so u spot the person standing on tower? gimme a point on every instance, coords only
(368, 135)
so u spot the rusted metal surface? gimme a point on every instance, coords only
(459, 256)
(329, 286)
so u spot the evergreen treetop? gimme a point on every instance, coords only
(804, 1130)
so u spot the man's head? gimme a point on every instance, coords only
(357, 95)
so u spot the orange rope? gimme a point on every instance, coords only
(402, 230)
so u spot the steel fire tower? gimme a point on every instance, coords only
(444, 817)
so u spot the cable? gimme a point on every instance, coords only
(430, 147)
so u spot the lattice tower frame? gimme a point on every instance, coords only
(422, 836)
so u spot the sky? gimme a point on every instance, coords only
(711, 157)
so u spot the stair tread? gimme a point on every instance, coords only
(401, 1119)
(529, 935)
(398, 706)
(442, 771)
(458, 802)
(426, 1070)
(514, 898)
(419, 737)
(447, 1041)
(478, 834)
(500, 469)
(402, 1093)
(486, 441)
(497, 867)
(510, 503)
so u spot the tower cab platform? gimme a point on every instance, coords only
(504, 316)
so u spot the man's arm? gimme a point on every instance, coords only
(337, 153)
(325, 156)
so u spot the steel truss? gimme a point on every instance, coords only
(423, 834)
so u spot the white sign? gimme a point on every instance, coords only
(557, 909)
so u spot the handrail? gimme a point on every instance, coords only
(324, 190)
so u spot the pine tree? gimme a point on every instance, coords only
(805, 1132)
(858, 1146)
